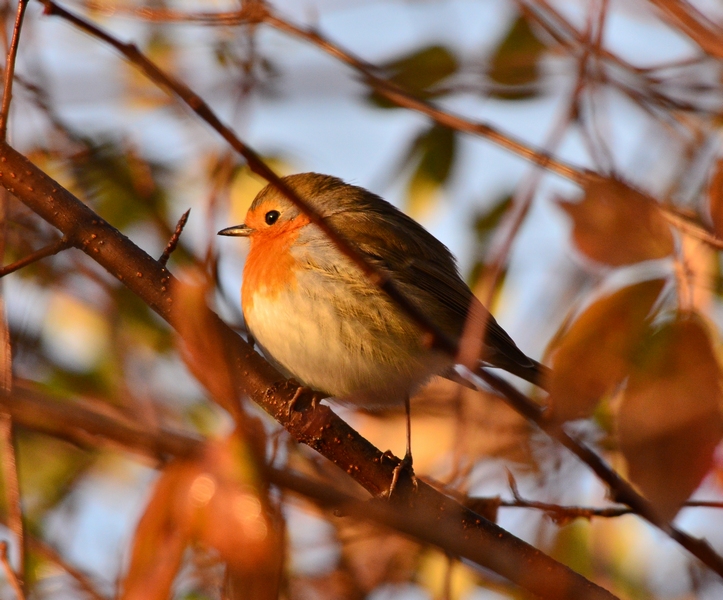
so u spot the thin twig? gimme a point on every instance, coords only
(173, 242)
(691, 228)
(403, 98)
(10, 69)
(51, 554)
(49, 250)
(621, 489)
(9, 572)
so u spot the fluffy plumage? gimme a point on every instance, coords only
(321, 321)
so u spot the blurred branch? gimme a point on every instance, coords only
(82, 425)
(684, 223)
(478, 540)
(50, 554)
(49, 250)
(10, 69)
(12, 492)
(261, 12)
(688, 19)
(10, 573)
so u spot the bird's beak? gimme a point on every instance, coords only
(237, 231)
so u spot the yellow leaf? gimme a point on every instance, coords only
(593, 357)
(669, 422)
(617, 225)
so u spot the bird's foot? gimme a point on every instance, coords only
(405, 467)
(296, 399)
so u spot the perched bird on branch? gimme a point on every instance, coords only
(319, 319)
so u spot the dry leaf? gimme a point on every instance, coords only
(161, 536)
(593, 357)
(202, 346)
(669, 422)
(617, 225)
(715, 198)
(232, 515)
(216, 501)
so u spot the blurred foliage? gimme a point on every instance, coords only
(419, 72)
(515, 64)
(123, 185)
(484, 226)
(670, 419)
(617, 225)
(433, 151)
(605, 338)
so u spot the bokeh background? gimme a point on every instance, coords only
(615, 87)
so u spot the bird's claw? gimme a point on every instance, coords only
(315, 399)
(294, 400)
(404, 466)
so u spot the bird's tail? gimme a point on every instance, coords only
(527, 369)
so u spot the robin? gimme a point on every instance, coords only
(319, 319)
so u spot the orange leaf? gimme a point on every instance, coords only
(203, 346)
(593, 357)
(161, 537)
(218, 501)
(715, 198)
(232, 514)
(670, 421)
(617, 225)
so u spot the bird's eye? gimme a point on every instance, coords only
(272, 216)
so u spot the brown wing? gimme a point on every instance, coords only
(427, 273)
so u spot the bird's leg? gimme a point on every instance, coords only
(407, 461)
(292, 403)
(316, 397)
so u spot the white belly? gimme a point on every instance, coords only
(357, 361)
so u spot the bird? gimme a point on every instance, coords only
(321, 321)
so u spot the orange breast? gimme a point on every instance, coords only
(270, 267)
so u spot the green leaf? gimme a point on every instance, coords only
(515, 63)
(434, 150)
(418, 72)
